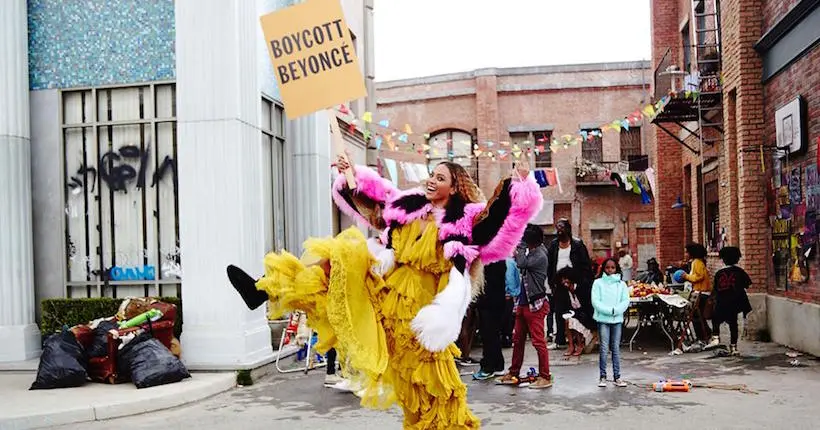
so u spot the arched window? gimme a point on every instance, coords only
(452, 145)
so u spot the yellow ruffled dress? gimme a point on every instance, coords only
(367, 319)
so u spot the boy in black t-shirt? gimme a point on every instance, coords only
(729, 291)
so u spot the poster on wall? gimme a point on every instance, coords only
(795, 186)
(781, 251)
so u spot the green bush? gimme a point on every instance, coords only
(70, 312)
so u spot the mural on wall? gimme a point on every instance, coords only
(90, 42)
(120, 191)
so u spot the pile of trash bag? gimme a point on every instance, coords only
(63, 363)
(149, 363)
(137, 344)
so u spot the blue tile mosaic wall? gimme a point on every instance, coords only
(267, 79)
(97, 42)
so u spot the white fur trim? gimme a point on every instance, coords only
(438, 324)
(385, 258)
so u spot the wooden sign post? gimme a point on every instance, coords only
(339, 147)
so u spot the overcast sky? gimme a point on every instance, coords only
(429, 37)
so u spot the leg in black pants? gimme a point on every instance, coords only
(331, 361)
(702, 325)
(550, 318)
(507, 323)
(490, 329)
(560, 329)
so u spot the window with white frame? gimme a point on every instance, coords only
(452, 145)
(120, 194)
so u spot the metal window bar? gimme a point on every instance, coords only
(97, 281)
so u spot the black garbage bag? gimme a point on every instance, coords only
(63, 363)
(149, 363)
(99, 347)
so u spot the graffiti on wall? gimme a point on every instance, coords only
(118, 169)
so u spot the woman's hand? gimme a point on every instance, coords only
(522, 168)
(342, 163)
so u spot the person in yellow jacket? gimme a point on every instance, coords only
(698, 275)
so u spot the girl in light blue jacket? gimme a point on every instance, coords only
(610, 299)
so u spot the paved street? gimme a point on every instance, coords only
(787, 394)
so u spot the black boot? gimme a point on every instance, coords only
(246, 286)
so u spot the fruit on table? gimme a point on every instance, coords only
(640, 289)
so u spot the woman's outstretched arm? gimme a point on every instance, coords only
(498, 229)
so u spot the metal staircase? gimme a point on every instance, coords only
(708, 63)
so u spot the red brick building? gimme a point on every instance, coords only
(739, 146)
(525, 106)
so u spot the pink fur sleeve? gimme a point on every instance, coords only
(369, 184)
(498, 234)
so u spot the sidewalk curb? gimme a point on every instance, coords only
(189, 391)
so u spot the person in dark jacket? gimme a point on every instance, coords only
(729, 291)
(566, 251)
(531, 309)
(490, 305)
(578, 319)
(653, 273)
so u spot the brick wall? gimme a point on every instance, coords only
(774, 10)
(665, 31)
(492, 101)
(801, 78)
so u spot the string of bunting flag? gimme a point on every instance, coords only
(383, 134)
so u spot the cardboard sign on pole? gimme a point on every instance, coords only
(315, 62)
(313, 57)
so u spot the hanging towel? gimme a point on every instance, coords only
(392, 170)
(553, 179)
(634, 183)
(541, 178)
(650, 176)
(626, 182)
(644, 195)
(644, 182)
(616, 178)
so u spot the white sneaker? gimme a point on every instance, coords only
(714, 342)
(331, 380)
(343, 385)
(620, 383)
(602, 383)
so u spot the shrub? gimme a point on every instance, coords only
(59, 312)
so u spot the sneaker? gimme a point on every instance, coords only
(508, 379)
(482, 375)
(541, 383)
(602, 383)
(345, 385)
(620, 383)
(733, 351)
(552, 346)
(714, 342)
(331, 380)
(467, 361)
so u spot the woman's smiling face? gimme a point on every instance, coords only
(440, 185)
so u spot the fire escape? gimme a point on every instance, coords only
(694, 91)
(695, 95)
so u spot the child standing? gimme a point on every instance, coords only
(729, 291)
(610, 299)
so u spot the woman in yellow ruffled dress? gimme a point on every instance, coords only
(392, 306)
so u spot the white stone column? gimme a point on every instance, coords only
(220, 181)
(309, 180)
(19, 335)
